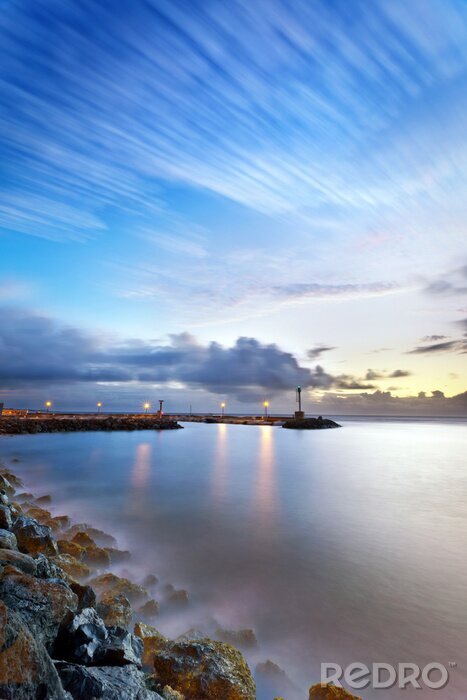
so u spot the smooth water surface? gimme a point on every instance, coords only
(337, 546)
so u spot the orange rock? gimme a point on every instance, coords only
(153, 642)
(330, 692)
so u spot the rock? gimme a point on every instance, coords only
(62, 521)
(46, 568)
(75, 569)
(245, 638)
(117, 556)
(205, 670)
(169, 693)
(111, 582)
(5, 517)
(96, 557)
(24, 497)
(120, 648)
(81, 638)
(149, 610)
(272, 680)
(26, 671)
(83, 539)
(8, 540)
(330, 692)
(115, 610)
(98, 536)
(85, 594)
(72, 548)
(4, 500)
(45, 605)
(104, 683)
(34, 538)
(150, 580)
(153, 641)
(39, 514)
(43, 500)
(177, 596)
(6, 486)
(14, 480)
(22, 562)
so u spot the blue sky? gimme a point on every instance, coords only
(289, 172)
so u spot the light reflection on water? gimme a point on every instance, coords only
(337, 546)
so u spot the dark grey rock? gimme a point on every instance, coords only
(104, 683)
(26, 670)
(47, 569)
(6, 486)
(45, 605)
(8, 540)
(4, 500)
(81, 639)
(86, 595)
(5, 517)
(120, 648)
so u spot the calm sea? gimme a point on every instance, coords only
(334, 546)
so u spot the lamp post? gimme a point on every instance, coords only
(48, 406)
(99, 406)
(146, 407)
(266, 406)
(223, 408)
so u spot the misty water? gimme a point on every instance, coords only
(335, 546)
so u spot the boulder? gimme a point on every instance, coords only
(6, 520)
(83, 539)
(117, 556)
(26, 671)
(22, 562)
(72, 548)
(14, 481)
(46, 568)
(8, 540)
(45, 605)
(4, 500)
(330, 692)
(149, 610)
(81, 638)
(272, 680)
(117, 585)
(6, 486)
(86, 595)
(153, 641)
(205, 670)
(150, 580)
(44, 500)
(96, 557)
(34, 538)
(169, 693)
(39, 514)
(75, 569)
(244, 638)
(115, 610)
(120, 648)
(100, 538)
(105, 683)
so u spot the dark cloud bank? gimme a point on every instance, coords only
(37, 354)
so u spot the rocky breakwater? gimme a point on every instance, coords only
(70, 629)
(17, 425)
(319, 423)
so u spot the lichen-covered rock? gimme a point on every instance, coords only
(149, 610)
(244, 638)
(153, 641)
(176, 596)
(205, 670)
(330, 692)
(96, 557)
(20, 561)
(83, 538)
(14, 481)
(46, 568)
(8, 540)
(26, 671)
(169, 693)
(39, 514)
(44, 604)
(104, 683)
(115, 610)
(6, 485)
(34, 538)
(98, 536)
(72, 548)
(77, 570)
(4, 500)
(117, 556)
(119, 586)
(6, 520)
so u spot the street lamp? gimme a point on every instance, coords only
(147, 407)
(222, 407)
(48, 405)
(99, 406)
(266, 406)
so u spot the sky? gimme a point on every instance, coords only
(213, 202)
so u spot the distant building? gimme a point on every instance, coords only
(12, 411)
